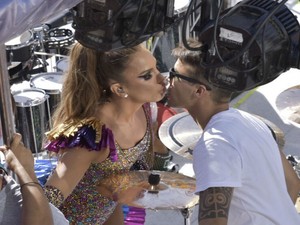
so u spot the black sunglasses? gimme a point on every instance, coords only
(173, 73)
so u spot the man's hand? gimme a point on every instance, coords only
(17, 156)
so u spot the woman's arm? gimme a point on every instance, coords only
(71, 167)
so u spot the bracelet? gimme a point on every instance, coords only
(31, 184)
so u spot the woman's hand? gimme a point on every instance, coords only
(131, 194)
(124, 195)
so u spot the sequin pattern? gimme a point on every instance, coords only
(85, 205)
(54, 194)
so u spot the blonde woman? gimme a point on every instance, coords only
(102, 127)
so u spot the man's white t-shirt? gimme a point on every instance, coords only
(238, 150)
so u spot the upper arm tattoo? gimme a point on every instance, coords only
(214, 202)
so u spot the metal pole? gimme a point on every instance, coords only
(186, 212)
(6, 110)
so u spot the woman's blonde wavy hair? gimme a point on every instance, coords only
(86, 84)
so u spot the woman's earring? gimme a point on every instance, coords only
(126, 95)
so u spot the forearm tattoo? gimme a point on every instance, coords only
(214, 203)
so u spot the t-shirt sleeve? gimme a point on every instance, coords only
(58, 216)
(217, 163)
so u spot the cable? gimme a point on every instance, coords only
(184, 26)
(137, 14)
(145, 27)
(217, 48)
(246, 47)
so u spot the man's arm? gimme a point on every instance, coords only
(21, 162)
(214, 205)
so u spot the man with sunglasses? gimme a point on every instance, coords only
(242, 177)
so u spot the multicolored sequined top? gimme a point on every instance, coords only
(85, 205)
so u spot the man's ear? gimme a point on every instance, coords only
(200, 90)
